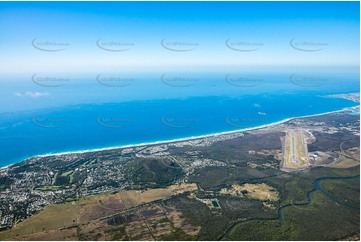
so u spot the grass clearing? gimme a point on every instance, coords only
(260, 191)
(53, 217)
(57, 216)
(345, 163)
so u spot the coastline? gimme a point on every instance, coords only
(181, 139)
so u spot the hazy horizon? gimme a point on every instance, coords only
(82, 37)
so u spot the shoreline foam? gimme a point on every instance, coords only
(180, 139)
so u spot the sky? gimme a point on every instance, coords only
(153, 36)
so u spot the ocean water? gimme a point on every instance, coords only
(52, 115)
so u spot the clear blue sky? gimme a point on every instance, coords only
(271, 25)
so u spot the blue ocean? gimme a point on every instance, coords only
(51, 113)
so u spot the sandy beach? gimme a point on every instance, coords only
(188, 138)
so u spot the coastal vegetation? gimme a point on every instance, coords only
(231, 187)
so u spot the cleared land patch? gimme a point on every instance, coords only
(260, 191)
(58, 216)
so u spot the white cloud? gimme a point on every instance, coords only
(32, 94)
(256, 105)
(36, 94)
